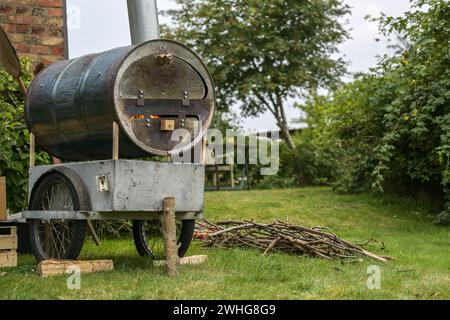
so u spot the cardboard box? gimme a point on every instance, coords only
(3, 198)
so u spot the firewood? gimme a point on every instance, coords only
(282, 237)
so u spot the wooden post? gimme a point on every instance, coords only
(115, 146)
(170, 237)
(204, 150)
(23, 88)
(93, 233)
(32, 150)
(217, 180)
(232, 175)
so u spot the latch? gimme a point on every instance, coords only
(102, 183)
(185, 100)
(141, 99)
(182, 119)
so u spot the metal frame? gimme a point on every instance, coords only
(96, 216)
(150, 214)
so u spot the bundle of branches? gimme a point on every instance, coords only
(280, 237)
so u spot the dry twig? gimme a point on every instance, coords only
(280, 237)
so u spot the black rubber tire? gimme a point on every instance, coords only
(184, 238)
(80, 200)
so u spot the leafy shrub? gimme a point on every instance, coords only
(310, 164)
(14, 142)
(313, 162)
(393, 125)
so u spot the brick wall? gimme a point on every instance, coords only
(35, 27)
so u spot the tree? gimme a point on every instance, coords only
(263, 52)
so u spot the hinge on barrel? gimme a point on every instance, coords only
(182, 119)
(141, 99)
(185, 100)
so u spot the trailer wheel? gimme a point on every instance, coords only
(58, 239)
(149, 239)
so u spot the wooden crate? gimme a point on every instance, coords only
(8, 247)
(8, 258)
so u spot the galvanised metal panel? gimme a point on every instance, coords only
(136, 186)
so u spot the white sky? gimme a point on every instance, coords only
(100, 25)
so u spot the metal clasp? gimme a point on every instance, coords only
(185, 100)
(141, 99)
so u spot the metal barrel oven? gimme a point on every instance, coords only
(149, 89)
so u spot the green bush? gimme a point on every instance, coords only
(14, 142)
(393, 125)
(310, 164)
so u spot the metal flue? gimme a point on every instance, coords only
(143, 18)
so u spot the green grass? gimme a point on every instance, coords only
(421, 269)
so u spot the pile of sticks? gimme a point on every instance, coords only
(280, 237)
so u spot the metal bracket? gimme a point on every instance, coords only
(165, 59)
(141, 99)
(102, 183)
(185, 100)
(182, 119)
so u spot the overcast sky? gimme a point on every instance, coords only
(99, 25)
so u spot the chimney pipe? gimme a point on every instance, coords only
(143, 17)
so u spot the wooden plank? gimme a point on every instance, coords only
(115, 146)
(8, 241)
(3, 215)
(57, 267)
(221, 168)
(8, 258)
(16, 217)
(192, 260)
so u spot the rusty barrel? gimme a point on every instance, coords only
(150, 90)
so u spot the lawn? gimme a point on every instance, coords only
(421, 269)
